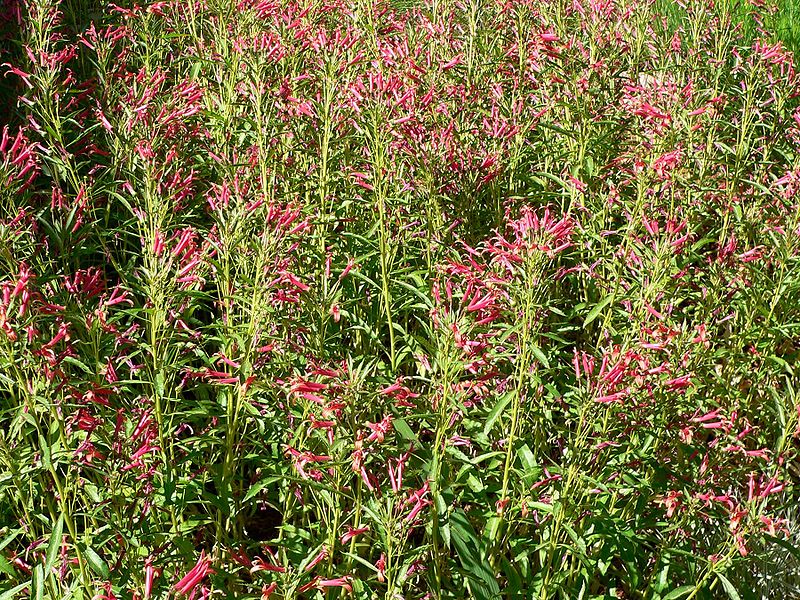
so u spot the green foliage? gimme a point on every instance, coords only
(400, 300)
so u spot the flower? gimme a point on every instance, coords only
(195, 575)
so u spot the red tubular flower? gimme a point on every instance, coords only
(259, 565)
(678, 383)
(149, 576)
(268, 590)
(342, 582)
(379, 429)
(352, 532)
(322, 555)
(195, 575)
(419, 501)
(309, 586)
(381, 567)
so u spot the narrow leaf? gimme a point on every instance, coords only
(597, 310)
(497, 411)
(54, 545)
(8, 594)
(482, 583)
(97, 564)
(679, 592)
(728, 587)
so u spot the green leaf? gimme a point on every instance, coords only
(38, 582)
(75, 362)
(496, 411)
(363, 561)
(258, 487)
(580, 544)
(597, 309)
(679, 592)
(97, 564)
(401, 427)
(794, 551)
(541, 506)
(661, 581)
(528, 461)
(482, 583)
(537, 352)
(54, 545)
(728, 587)
(10, 538)
(515, 584)
(45, 448)
(8, 594)
(475, 483)
(6, 567)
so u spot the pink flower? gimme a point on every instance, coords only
(321, 555)
(342, 582)
(379, 429)
(260, 565)
(752, 255)
(615, 397)
(149, 575)
(456, 60)
(381, 567)
(301, 459)
(401, 393)
(197, 573)
(678, 383)
(419, 501)
(672, 501)
(352, 532)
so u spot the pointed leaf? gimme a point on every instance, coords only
(54, 545)
(597, 309)
(728, 587)
(482, 583)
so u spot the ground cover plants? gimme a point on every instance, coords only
(322, 299)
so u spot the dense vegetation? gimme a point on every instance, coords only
(321, 299)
